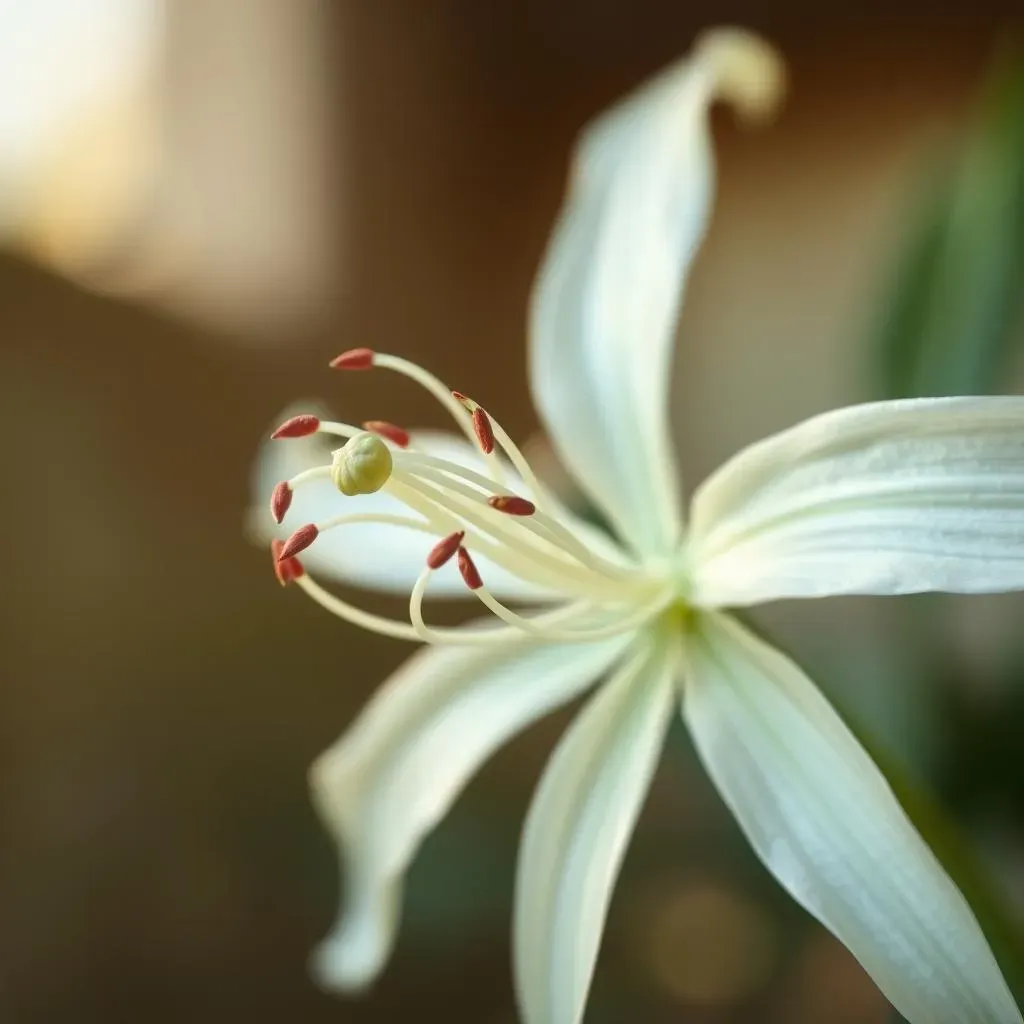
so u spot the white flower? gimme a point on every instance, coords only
(886, 498)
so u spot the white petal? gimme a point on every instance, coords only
(576, 834)
(388, 558)
(606, 299)
(391, 777)
(883, 498)
(824, 821)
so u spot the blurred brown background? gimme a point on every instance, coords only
(271, 182)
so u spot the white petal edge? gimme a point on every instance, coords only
(824, 821)
(882, 498)
(394, 774)
(605, 303)
(378, 557)
(576, 833)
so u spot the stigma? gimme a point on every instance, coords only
(362, 466)
(494, 512)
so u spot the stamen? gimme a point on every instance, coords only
(498, 434)
(444, 395)
(524, 562)
(443, 550)
(299, 541)
(456, 635)
(354, 359)
(297, 426)
(286, 569)
(618, 623)
(541, 626)
(280, 500)
(545, 525)
(521, 536)
(483, 431)
(468, 570)
(512, 505)
(533, 539)
(512, 549)
(396, 435)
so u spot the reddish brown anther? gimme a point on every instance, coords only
(463, 400)
(280, 500)
(299, 540)
(483, 431)
(396, 435)
(470, 573)
(443, 550)
(297, 426)
(512, 505)
(285, 569)
(353, 359)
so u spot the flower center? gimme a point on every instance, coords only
(593, 590)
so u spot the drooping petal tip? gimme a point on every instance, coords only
(745, 69)
(350, 958)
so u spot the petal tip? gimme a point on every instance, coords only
(746, 70)
(338, 965)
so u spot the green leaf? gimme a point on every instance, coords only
(949, 321)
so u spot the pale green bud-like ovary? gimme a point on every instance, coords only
(362, 466)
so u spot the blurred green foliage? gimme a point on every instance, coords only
(954, 310)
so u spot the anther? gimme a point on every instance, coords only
(362, 466)
(483, 431)
(465, 402)
(512, 505)
(297, 426)
(469, 571)
(443, 550)
(396, 435)
(280, 500)
(285, 569)
(353, 359)
(298, 541)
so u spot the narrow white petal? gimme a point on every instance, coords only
(381, 557)
(391, 777)
(576, 834)
(606, 299)
(824, 821)
(882, 498)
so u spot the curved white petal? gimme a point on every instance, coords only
(393, 775)
(824, 821)
(882, 498)
(388, 558)
(606, 298)
(576, 834)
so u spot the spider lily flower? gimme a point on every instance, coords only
(884, 498)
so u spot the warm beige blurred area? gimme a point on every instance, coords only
(269, 182)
